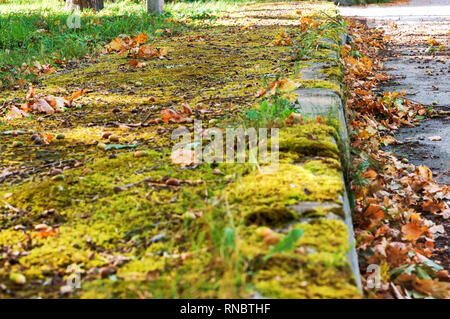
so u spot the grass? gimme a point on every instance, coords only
(37, 30)
(272, 112)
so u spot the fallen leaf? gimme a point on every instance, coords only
(42, 106)
(140, 39)
(183, 157)
(374, 213)
(413, 230)
(77, 94)
(424, 172)
(186, 109)
(431, 287)
(294, 118)
(47, 138)
(147, 51)
(15, 113)
(137, 64)
(169, 114)
(370, 174)
(47, 232)
(30, 93)
(432, 206)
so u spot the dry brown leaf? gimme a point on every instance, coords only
(413, 231)
(185, 108)
(261, 93)
(370, 174)
(57, 103)
(77, 94)
(15, 113)
(30, 93)
(445, 214)
(147, 51)
(169, 114)
(431, 287)
(424, 172)
(374, 213)
(118, 45)
(140, 39)
(182, 157)
(41, 106)
(47, 138)
(137, 64)
(163, 52)
(432, 206)
(294, 118)
(435, 138)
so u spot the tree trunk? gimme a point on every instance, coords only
(155, 6)
(97, 5)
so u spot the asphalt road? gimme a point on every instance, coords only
(423, 75)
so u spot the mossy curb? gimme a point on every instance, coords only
(328, 103)
(140, 226)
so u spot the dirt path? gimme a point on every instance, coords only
(424, 75)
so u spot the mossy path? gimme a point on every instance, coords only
(135, 225)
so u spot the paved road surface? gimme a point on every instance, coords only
(425, 78)
(423, 75)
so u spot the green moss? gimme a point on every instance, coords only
(107, 207)
(332, 46)
(317, 268)
(333, 72)
(325, 235)
(309, 139)
(265, 198)
(305, 280)
(321, 84)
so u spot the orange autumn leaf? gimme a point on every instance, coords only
(47, 138)
(415, 217)
(294, 118)
(261, 93)
(57, 103)
(431, 287)
(413, 230)
(163, 52)
(432, 42)
(282, 39)
(77, 94)
(285, 85)
(185, 108)
(47, 232)
(118, 45)
(42, 106)
(140, 39)
(137, 64)
(432, 206)
(147, 51)
(397, 253)
(374, 213)
(169, 114)
(424, 172)
(370, 174)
